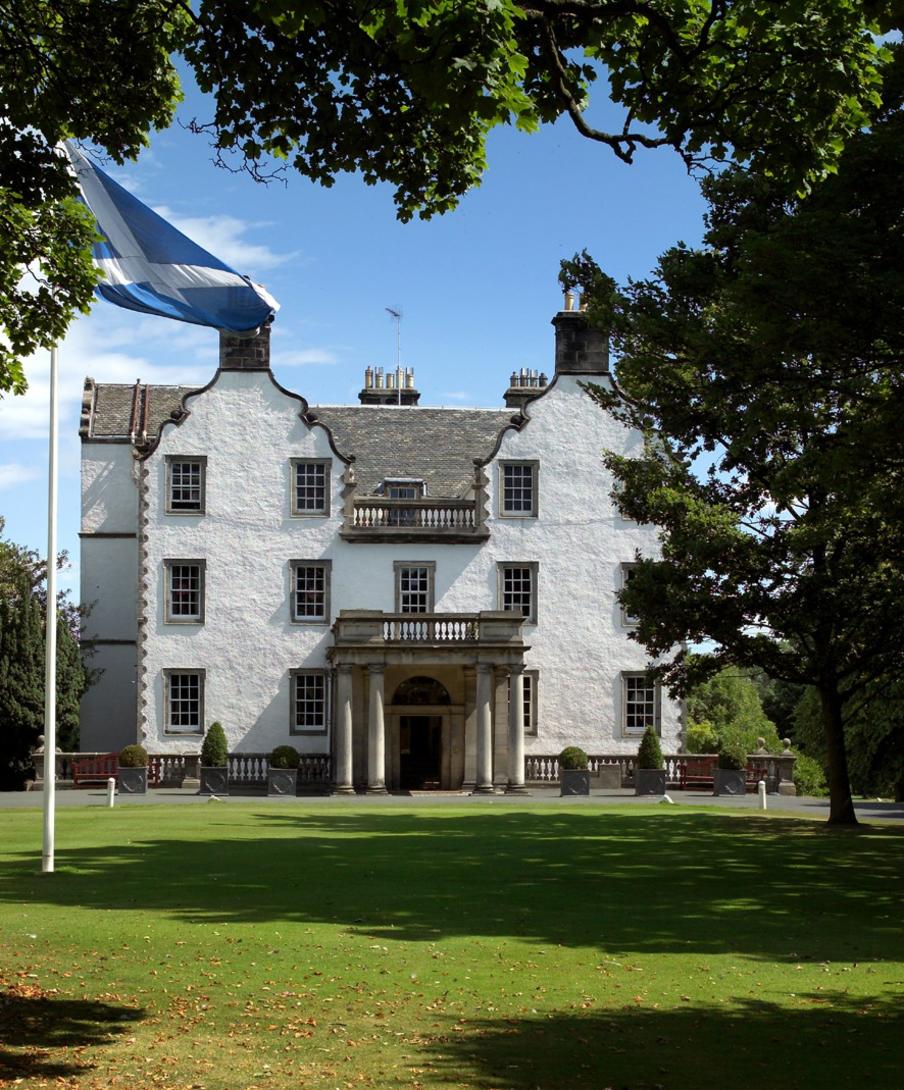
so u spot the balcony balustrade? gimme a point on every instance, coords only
(378, 518)
(446, 632)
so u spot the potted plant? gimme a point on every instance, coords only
(649, 769)
(214, 761)
(574, 771)
(282, 773)
(730, 773)
(132, 774)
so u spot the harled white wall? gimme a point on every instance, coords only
(249, 430)
(109, 591)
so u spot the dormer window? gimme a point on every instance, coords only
(403, 488)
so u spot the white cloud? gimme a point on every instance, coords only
(303, 357)
(458, 395)
(223, 235)
(106, 348)
(13, 474)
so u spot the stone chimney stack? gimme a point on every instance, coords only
(389, 388)
(245, 351)
(524, 384)
(580, 349)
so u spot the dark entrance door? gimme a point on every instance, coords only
(420, 751)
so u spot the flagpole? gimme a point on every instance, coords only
(47, 859)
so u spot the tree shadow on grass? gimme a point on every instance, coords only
(651, 882)
(35, 1025)
(830, 1041)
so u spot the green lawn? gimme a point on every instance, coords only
(242, 945)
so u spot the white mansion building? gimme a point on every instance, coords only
(424, 594)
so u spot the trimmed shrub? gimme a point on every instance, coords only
(573, 757)
(809, 776)
(650, 753)
(133, 756)
(284, 757)
(214, 750)
(732, 755)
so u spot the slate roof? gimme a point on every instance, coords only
(110, 411)
(435, 445)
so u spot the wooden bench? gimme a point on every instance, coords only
(96, 769)
(696, 773)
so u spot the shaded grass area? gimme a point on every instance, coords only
(447, 947)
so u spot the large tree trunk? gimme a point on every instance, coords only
(841, 806)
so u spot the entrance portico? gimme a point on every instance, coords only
(422, 700)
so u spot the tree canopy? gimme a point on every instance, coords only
(726, 709)
(770, 358)
(405, 93)
(23, 603)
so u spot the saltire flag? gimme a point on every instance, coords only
(149, 266)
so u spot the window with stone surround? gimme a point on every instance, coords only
(627, 574)
(310, 703)
(184, 591)
(531, 683)
(517, 588)
(518, 491)
(311, 591)
(641, 703)
(414, 586)
(310, 487)
(183, 700)
(185, 484)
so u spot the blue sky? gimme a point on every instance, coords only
(477, 287)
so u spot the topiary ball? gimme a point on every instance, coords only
(284, 757)
(133, 756)
(573, 757)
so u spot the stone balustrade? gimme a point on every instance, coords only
(779, 767)
(250, 769)
(378, 518)
(373, 629)
(434, 515)
(174, 769)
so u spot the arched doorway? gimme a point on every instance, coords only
(421, 735)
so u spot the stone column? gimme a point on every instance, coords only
(376, 733)
(516, 732)
(342, 774)
(484, 785)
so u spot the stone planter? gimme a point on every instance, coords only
(214, 781)
(282, 781)
(132, 781)
(574, 781)
(729, 781)
(649, 781)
